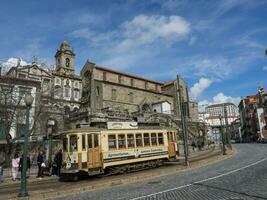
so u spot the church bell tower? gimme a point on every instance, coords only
(65, 59)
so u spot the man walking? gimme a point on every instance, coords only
(28, 165)
(2, 161)
(58, 161)
(40, 161)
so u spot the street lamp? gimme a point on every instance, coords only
(222, 136)
(23, 186)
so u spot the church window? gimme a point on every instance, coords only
(104, 76)
(131, 97)
(97, 91)
(114, 94)
(57, 81)
(57, 92)
(67, 62)
(145, 85)
(132, 82)
(119, 79)
(22, 76)
(76, 94)
(67, 91)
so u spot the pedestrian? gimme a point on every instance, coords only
(28, 165)
(40, 163)
(54, 166)
(2, 161)
(15, 166)
(58, 161)
(193, 144)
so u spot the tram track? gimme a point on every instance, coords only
(49, 188)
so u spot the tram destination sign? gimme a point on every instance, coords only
(122, 125)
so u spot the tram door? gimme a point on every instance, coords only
(171, 144)
(93, 156)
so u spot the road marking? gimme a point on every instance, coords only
(204, 180)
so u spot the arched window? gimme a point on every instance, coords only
(67, 62)
(57, 92)
(66, 110)
(67, 91)
(146, 108)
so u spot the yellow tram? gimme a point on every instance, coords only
(92, 151)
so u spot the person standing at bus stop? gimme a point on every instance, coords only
(58, 161)
(2, 161)
(40, 162)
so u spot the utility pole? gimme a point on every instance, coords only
(227, 127)
(181, 105)
(222, 136)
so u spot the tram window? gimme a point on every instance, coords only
(83, 142)
(174, 136)
(146, 139)
(65, 142)
(73, 143)
(89, 141)
(153, 139)
(138, 139)
(112, 142)
(96, 140)
(160, 138)
(130, 140)
(121, 141)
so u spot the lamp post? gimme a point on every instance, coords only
(183, 119)
(50, 125)
(227, 132)
(222, 136)
(23, 186)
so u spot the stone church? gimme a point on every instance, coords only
(100, 94)
(59, 94)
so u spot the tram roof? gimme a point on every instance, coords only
(94, 129)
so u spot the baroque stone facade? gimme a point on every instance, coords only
(60, 89)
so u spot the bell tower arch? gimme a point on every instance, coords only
(65, 59)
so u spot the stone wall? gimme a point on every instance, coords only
(123, 100)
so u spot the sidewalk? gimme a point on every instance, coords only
(34, 169)
(32, 176)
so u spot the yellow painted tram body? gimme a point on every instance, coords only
(94, 151)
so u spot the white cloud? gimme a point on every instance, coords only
(135, 39)
(264, 68)
(146, 29)
(199, 87)
(221, 98)
(11, 62)
(82, 33)
(216, 68)
(33, 48)
(217, 99)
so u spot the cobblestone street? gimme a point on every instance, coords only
(241, 177)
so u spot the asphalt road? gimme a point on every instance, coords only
(243, 176)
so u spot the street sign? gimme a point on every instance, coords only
(51, 122)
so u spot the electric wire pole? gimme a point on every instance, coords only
(222, 136)
(184, 127)
(227, 127)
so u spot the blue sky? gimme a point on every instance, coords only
(216, 46)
